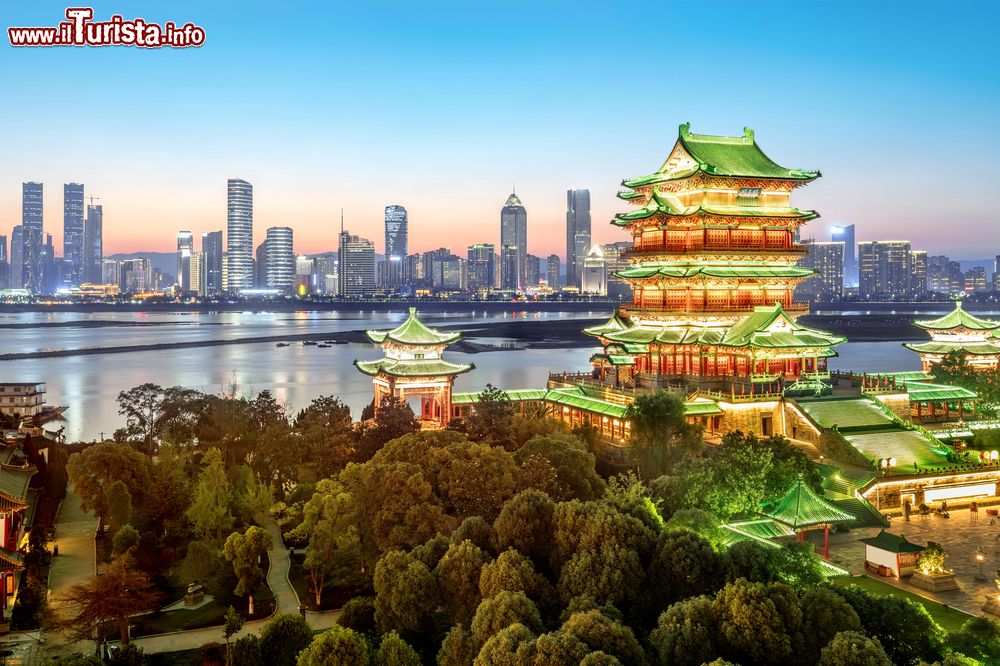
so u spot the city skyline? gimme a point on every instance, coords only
(309, 155)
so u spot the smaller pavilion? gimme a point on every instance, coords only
(802, 509)
(890, 554)
(413, 365)
(959, 331)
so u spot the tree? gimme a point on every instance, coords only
(406, 592)
(209, 511)
(124, 540)
(246, 651)
(686, 632)
(245, 551)
(329, 522)
(824, 615)
(600, 659)
(514, 572)
(471, 479)
(458, 648)
(97, 467)
(458, 577)
(503, 610)
(513, 645)
(142, 408)
(525, 524)
(559, 648)
(701, 523)
(393, 420)
(612, 575)
(492, 420)
(336, 645)
(282, 638)
(359, 614)
(477, 530)
(684, 565)
(254, 498)
(201, 563)
(574, 465)
(853, 648)
(113, 597)
(601, 633)
(660, 433)
(979, 638)
(233, 622)
(751, 623)
(394, 651)
(119, 501)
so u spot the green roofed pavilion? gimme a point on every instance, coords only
(957, 318)
(892, 543)
(801, 508)
(414, 332)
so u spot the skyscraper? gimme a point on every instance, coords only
(396, 244)
(185, 247)
(280, 259)
(594, 277)
(918, 273)
(31, 222)
(845, 235)
(533, 271)
(73, 234)
(552, 271)
(4, 264)
(827, 259)
(211, 249)
(577, 234)
(884, 269)
(260, 266)
(513, 244)
(93, 244)
(239, 234)
(17, 257)
(356, 267)
(482, 266)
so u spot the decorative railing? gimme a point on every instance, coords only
(732, 248)
(723, 308)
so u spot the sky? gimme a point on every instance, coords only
(444, 107)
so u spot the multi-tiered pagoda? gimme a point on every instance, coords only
(962, 332)
(713, 271)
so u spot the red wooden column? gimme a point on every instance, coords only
(826, 542)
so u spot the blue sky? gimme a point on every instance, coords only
(441, 106)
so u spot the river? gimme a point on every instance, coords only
(89, 383)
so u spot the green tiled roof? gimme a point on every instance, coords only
(970, 348)
(802, 507)
(515, 395)
(892, 543)
(616, 323)
(924, 392)
(628, 347)
(414, 332)
(668, 204)
(412, 368)
(614, 359)
(14, 482)
(724, 156)
(748, 270)
(958, 318)
(701, 407)
(754, 331)
(905, 375)
(762, 528)
(575, 397)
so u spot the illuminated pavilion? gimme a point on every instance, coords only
(713, 271)
(413, 365)
(959, 331)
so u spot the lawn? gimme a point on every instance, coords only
(906, 446)
(845, 413)
(949, 618)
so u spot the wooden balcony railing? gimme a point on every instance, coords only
(633, 309)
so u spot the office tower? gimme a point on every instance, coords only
(185, 246)
(845, 235)
(996, 273)
(616, 260)
(211, 250)
(413, 270)
(532, 271)
(93, 244)
(552, 271)
(827, 283)
(884, 270)
(134, 276)
(50, 275)
(280, 270)
(513, 244)
(73, 233)
(260, 266)
(31, 222)
(594, 276)
(17, 257)
(448, 272)
(396, 245)
(481, 267)
(944, 276)
(196, 273)
(225, 272)
(918, 273)
(4, 264)
(577, 234)
(975, 280)
(239, 234)
(326, 273)
(306, 277)
(356, 268)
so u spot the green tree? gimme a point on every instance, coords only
(282, 638)
(329, 522)
(492, 420)
(501, 611)
(336, 645)
(514, 645)
(458, 575)
(684, 565)
(246, 651)
(359, 614)
(124, 539)
(574, 464)
(686, 632)
(246, 551)
(406, 593)
(979, 638)
(612, 575)
(394, 651)
(853, 648)
(232, 623)
(525, 524)
(701, 523)
(201, 563)
(471, 479)
(601, 633)
(514, 572)
(458, 648)
(600, 659)
(393, 420)
(97, 467)
(254, 498)
(119, 501)
(209, 511)
(559, 648)
(594, 526)
(477, 530)
(824, 615)
(751, 623)
(327, 435)
(142, 408)
(660, 433)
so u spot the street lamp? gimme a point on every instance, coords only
(980, 558)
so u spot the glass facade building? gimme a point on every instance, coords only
(239, 234)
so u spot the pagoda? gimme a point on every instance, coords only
(713, 268)
(413, 365)
(959, 331)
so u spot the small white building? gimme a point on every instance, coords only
(891, 555)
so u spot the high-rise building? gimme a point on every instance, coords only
(4, 264)
(975, 280)
(73, 233)
(845, 235)
(594, 277)
(93, 244)
(615, 261)
(533, 271)
(356, 256)
(944, 276)
(135, 276)
(885, 270)
(482, 266)
(827, 260)
(513, 244)
(448, 273)
(396, 245)
(996, 273)
(552, 271)
(50, 276)
(211, 250)
(280, 270)
(260, 266)
(185, 247)
(17, 257)
(196, 273)
(577, 234)
(31, 222)
(239, 234)
(918, 273)
(413, 270)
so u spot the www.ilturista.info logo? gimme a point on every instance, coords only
(81, 30)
